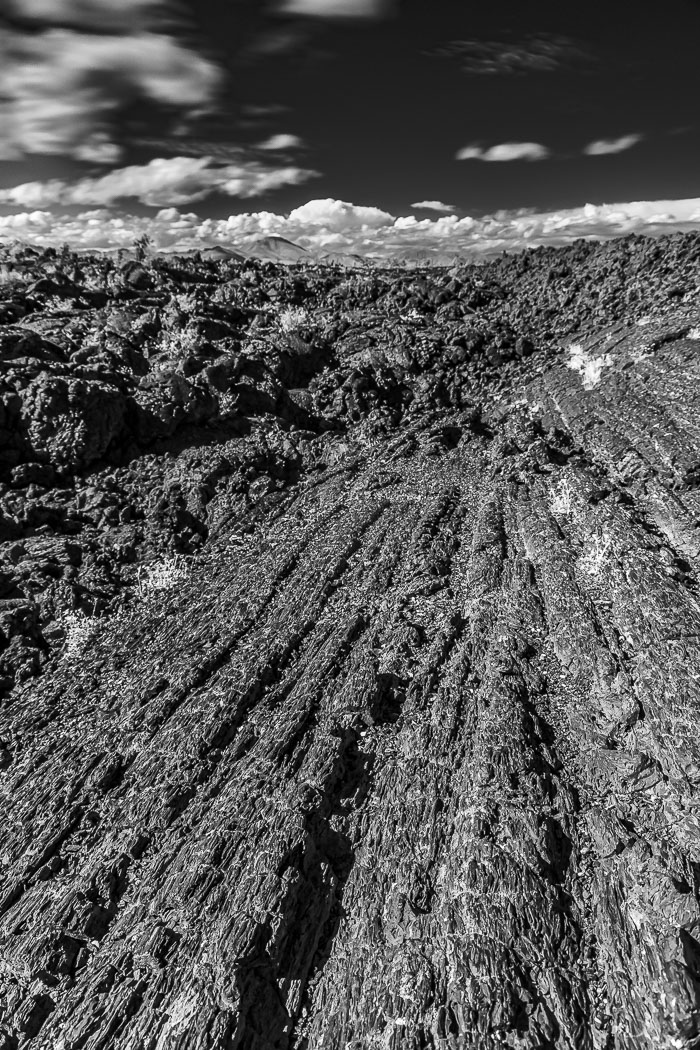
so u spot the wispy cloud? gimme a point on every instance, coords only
(276, 41)
(127, 15)
(505, 151)
(434, 206)
(163, 181)
(325, 224)
(264, 110)
(337, 8)
(537, 53)
(281, 142)
(65, 82)
(221, 152)
(602, 146)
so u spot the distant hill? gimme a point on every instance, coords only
(277, 249)
(281, 250)
(217, 253)
(273, 249)
(424, 257)
(344, 259)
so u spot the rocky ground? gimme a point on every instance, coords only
(350, 653)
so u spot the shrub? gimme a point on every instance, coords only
(161, 576)
(79, 630)
(592, 560)
(180, 341)
(588, 367)
(292, 318)
(561, 498)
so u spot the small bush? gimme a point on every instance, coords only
(182, 341)
(187, 302)
(588, 367)
(591, 563)
(79, 630)
(561, 499)
(161, 576)
(292, 318)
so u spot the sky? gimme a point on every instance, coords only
(367, 126)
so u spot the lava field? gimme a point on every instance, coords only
(350, 652)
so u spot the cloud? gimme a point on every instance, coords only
(92, 14)
(276, 142)
(505, 151)
(340, 216)
(603, 146)
(275, 41)
(336, 8)
(163, 181)
(63, 88)
(271, 109)
(537, 53)
(326, 224)
(222, 152)
(434, 206)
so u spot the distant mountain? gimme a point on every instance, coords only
(423, 257)
(209, 253)
(344, 259)
(277, 249)
(217, 253)
(281, 250)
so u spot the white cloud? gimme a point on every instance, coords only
(276, 142)
(505, 151)
(62, 89)
(603, 146)
(95, 14)
(326, 224)
(336, 8)
(163, 181)
(434, 206)
(340, 216)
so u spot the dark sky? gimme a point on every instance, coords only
(383, 114)
(556, 104)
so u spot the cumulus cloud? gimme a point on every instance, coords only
(64, 83)
(434, 206)
(340, 216)
(163, 181)
(537, 53)
(602, 146)
(326, 224)
(276, 142)
(336, 8)
(505, 151)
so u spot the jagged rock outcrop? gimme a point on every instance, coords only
(382, 730)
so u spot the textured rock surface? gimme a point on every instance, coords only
(383, 728)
